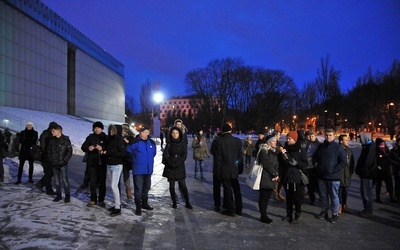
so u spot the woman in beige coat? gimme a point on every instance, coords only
(200, 152)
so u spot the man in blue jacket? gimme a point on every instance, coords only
(331, 159)
(142, 152)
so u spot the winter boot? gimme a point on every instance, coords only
(297, 218)
(138, 207)
(186, 196)
(173, 197)
(146, 205)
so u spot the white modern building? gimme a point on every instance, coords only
(48, 65)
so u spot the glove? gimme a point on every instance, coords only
(293, 162)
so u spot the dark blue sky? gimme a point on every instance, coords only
(163, 40)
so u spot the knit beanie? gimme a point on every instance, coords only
(293, 135)
(98, 125)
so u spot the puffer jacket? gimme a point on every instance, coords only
(115, 147)
(174, 156)
(142, 153)
(59, 151)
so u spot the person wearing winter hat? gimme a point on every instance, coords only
(228, 157)
(270, 175)
(27, 139)
(261, 136)
(291, 163)
(96, 164)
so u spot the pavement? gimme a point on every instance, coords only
(30, 220)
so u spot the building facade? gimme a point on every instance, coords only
(48, 65)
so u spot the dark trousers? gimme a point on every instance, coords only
(294, 197)
(98, 174)
(389, 185)
(86, 178)
(22, 160)
(343, 195)
(142, 184)
(48, 174)
(232, 195)
(61, 175)
(312, 187)
(182, 187)
(263, 200)
(217, 191)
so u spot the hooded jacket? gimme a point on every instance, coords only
(269, 161)
(115, 146)
(366, 165)
(174, 156)
(291, 163)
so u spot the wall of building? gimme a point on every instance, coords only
(34, 66)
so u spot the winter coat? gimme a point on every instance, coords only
(331, 159)
(347, 171)
(395, 158)
(311, 149)
(174, 156)
(94, 158)
(27, 139)
(228, 156)
(248, 147)
(270, 164)
(384, 166)
(366, 165)
(142, 153)
(59, 151)
(115, 150)
(200, 150)
(44, 142)
(292, 163)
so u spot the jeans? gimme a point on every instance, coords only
(115, 175)
(329, 189)
(198, 164)
(61, 174)
(142, 184)
(366, 194)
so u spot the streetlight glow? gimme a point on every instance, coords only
(158, 97)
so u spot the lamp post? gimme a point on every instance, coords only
(157, 99)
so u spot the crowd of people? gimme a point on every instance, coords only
(300, 166)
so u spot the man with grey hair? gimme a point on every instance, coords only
(366, 169)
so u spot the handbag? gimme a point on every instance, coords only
(254, 177)
(304, 178)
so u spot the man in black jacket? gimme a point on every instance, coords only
(47, 169)
(96, 164)
(59, 152)
(366, 169)
(228, 156)
(331, 159)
